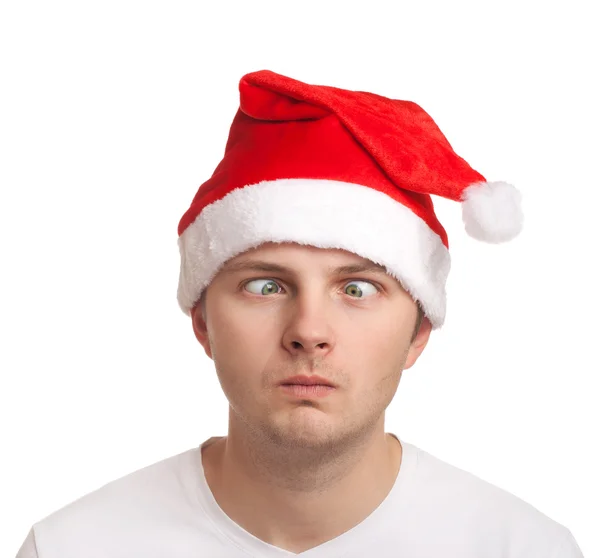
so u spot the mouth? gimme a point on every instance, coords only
(307, 381)
(307, 386)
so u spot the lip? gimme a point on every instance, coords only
(307, 381)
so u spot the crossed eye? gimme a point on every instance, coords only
(353, 288)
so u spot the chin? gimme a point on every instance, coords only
(305, 425)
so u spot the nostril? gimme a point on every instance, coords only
(298, 345)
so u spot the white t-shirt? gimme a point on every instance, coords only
(167, 510)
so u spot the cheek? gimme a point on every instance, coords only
(242, 342)
(382, 342)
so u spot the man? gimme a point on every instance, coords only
(313, 268)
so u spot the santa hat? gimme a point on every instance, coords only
(334, 168)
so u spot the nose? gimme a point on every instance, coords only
(308, 331)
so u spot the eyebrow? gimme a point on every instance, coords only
(258, 265)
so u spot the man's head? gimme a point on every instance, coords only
(311, 165)
(300, 314)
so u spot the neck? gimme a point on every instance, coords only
(298, 497)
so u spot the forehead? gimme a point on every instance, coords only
(278, 256)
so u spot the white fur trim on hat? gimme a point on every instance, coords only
(492, 211)
(321, 213)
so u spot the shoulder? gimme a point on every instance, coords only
(145, 497)
(481, 510)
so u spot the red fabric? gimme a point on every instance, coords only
(288, 129)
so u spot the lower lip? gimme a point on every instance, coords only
(299, 390)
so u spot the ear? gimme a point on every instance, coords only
(200, 329)
(419, 343)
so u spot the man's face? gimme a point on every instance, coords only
(295, 313)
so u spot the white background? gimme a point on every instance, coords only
(113, 113)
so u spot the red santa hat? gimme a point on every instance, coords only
(333, 168)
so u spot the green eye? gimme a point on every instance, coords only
(269, 286)
(353, 290)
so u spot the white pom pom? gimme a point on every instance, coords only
(492, 211)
